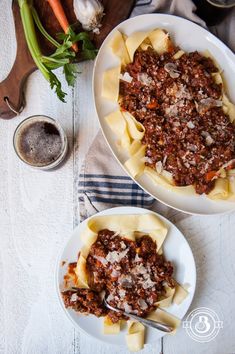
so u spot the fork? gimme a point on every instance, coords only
(149, 323)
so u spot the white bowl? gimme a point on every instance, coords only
(189, 37)
(176, 249)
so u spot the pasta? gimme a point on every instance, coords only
(180, 294)
(166, 302)
(221, 190)
(82, 281)
(119, 48)
(118, 125)
(127, 225)
(131, 132)
(165, 317)
(160, 40)
(110, 327)
(135, 336)
(110, 87)
(134, 41)
(132, 228)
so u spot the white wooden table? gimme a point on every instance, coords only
(38, 211)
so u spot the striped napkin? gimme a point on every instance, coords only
(102, 182)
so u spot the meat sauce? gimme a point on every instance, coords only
(187, 132)
(131, 273)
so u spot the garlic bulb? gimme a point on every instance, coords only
(89, 13)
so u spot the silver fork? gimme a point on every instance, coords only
(149, 323)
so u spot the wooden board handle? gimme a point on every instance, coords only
(11, 88)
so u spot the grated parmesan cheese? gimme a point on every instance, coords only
(127, 307)
(122, 293)
(115, 256)
(190, 125)
(123, 245)
(101, 259)
(126, 77)
(145, 79)
(172, 110)
(137, 258)
(143, 304)
(74, 297)
(110, 298)
(209, 140)
(159, 167)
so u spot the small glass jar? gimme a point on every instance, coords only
(40, 142)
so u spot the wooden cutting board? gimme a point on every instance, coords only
(12, 88)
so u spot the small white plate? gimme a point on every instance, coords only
(189, 37)
(176, 249)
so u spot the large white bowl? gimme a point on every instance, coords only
(189, 37)
(176, 249)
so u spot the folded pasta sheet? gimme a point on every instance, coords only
(119, 48)
(162, 316)
(110, 327)
(110, 84)
(135, 336)
(127, 225)
(134, 41)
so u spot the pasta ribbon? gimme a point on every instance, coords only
(220, 190)
(82, 279)
(135, 165)
(136, 130)
(126, 225)
(178, 54)
(217, 78)
(160, 40)
(180, 294)
(229, 108)
(110, 84)
(145, 44)
(109, 327)
(161, 180)
(167, 300)
(162, 316)
(134, 41)
(135, 336)
(118, 125)
(119, 48)
(231, 187)
(135, 147)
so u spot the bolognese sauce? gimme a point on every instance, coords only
(131, 273)
(179, 103)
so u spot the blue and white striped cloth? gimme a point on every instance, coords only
(103, 184)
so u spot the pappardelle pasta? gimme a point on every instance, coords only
(122, 256)
(174, 120)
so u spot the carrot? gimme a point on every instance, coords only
(61, 17)
(210, 175)
(153, 104)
